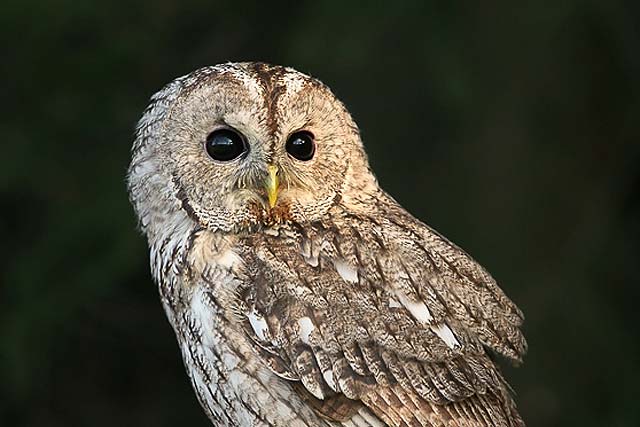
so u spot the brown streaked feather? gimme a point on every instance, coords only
(337, 408)
(379, 353)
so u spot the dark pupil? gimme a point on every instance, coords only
(224, 145)
(300, 145)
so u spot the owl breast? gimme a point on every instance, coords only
(199, 292)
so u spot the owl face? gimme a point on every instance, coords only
(249, 144)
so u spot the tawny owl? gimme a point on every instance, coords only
(302, 294)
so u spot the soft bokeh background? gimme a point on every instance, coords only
(512, 129)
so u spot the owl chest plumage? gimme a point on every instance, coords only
(200, 275)
(279, 326)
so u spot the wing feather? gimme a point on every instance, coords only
(386, 315)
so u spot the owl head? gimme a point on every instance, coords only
(247, 145)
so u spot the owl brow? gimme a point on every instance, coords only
(273, 91)
(182, 124)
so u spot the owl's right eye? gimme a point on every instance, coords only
(225, 145)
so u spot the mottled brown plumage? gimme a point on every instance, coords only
(314, 299)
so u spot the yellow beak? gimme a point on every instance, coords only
(272, 185)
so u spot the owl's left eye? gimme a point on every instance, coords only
(225, 145)
(301, 146)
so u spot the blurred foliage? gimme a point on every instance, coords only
(511, 128)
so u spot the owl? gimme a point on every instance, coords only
(301, 293)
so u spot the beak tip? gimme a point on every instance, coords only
(272, 200)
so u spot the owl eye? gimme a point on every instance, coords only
(301, 146)
(225, 145)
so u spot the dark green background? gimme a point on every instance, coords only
(512, 129)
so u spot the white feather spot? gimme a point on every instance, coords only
(359, 421)
(394, 303)
(417, 308)
(305, 248)
(346, 271)
(328, 378)
(446, 334)
(421, 313)
(309, 253)
(271, 231)
(258, 324)
(228, 259)
(312, 260)
(371, 419)
(305, 326)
